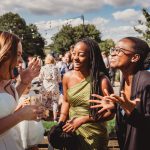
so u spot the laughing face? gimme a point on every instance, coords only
(81, 56)
(122, 54)
(11, 63)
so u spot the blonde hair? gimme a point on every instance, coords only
(50, 59)
(8, 48)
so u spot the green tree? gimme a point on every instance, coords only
(68, 35)
(106, 45)
(63, 39)
(33, 43)
(88, 30)
(145, 33)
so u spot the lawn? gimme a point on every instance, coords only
(110, 126)
(48, 124)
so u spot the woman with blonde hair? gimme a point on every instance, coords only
(10, 113)
(50, 59)
(50, 77)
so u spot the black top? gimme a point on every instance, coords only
(134, 131)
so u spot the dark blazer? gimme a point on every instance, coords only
(134, 131)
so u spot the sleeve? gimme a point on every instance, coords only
(141, 118)
(41, 75)
(58, 76)
(54, 73)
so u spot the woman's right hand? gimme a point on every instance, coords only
(22, 104)
(31, 112)
(107, 107)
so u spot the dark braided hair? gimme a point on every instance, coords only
(141, 48)
(97, 68)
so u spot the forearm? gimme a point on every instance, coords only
(87, 119)
(8, 122)
(64, 111)
(20, 87)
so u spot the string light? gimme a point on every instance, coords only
(68, 21)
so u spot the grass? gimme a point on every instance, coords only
(48, 124)
(110, 125)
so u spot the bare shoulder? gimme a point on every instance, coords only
(67, 78)
(68, 74)
(105, 84)
(104, 79)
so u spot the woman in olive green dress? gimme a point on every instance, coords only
(88, 77)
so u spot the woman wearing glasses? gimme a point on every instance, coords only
(133, 105)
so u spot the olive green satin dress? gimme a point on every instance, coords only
(92, 136)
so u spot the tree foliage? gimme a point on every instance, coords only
(32, 41)
(69, 35)
(145, 33)
(106, 45)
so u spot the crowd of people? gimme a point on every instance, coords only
(77, 88)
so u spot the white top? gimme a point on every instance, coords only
(32, 132)
(9, 140)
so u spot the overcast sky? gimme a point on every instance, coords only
(114, 18)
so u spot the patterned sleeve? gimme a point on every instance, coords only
(59, 76)
(56, 74)
(41, 75)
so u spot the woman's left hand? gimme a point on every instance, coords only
(33, 70)
(127, 104)
(73, 124)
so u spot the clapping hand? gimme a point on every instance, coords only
(33, 70)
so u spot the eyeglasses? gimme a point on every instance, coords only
(117, 51)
